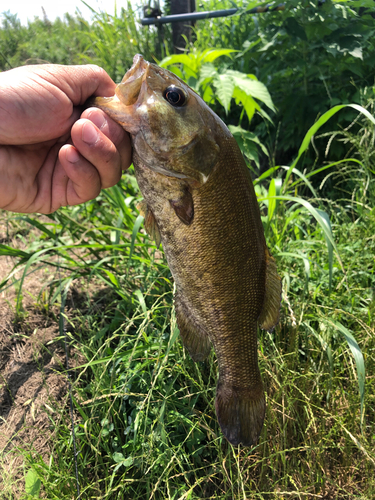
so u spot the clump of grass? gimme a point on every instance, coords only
(355, 180)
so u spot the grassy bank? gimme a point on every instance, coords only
(144, 416)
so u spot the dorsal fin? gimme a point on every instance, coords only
(269, 317)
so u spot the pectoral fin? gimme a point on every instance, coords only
(150, 223)
(269, 317)
(184, 207)
(194, 338)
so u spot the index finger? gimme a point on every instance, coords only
(79, 82)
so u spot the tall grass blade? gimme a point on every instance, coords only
(359, 361)
(136, 227)
(273, 192)
(327, 222)
(141, 300)
(12, 252)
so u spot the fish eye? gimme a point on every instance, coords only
(175, 96)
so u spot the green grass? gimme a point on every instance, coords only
(145, 418)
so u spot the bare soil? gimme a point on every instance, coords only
(32, 379)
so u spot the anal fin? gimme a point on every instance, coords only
(194, 338)
(269, 316)
(150, 223)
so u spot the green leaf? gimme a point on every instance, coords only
(325, 346)
(272, 201)
(273, 193)
(128, 462)
(265, 175)
(13, 252)
(224, 86)
(214, 54)
(265, 115)
(207, 71)
(208, 95)
(176, 70)
(172, 339)
(121, 461)
(184, 59)
(141, 299)
(252, 87)
(248, 144)
(118, 457)
(32, 483)
(112, 277)
(356, 3)
(247, 102)
(247, 136)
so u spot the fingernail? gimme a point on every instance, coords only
(72, 155)
(89, 133)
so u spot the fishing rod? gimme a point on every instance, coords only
(194, 16)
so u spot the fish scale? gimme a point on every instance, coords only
(199, 201)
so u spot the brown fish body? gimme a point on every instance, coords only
(204, 209)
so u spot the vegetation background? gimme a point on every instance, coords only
(296, 88)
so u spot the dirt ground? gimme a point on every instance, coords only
(32, 382)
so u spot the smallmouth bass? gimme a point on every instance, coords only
(199, 201)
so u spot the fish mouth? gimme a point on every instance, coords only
(120, 106)
(129, 88)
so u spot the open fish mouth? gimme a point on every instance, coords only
(120, 106)
(131, 84)
(137, 69)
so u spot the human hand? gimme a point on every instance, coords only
(51, 155)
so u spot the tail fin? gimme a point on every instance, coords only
(240, 413)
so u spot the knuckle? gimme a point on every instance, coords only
(97, 69)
